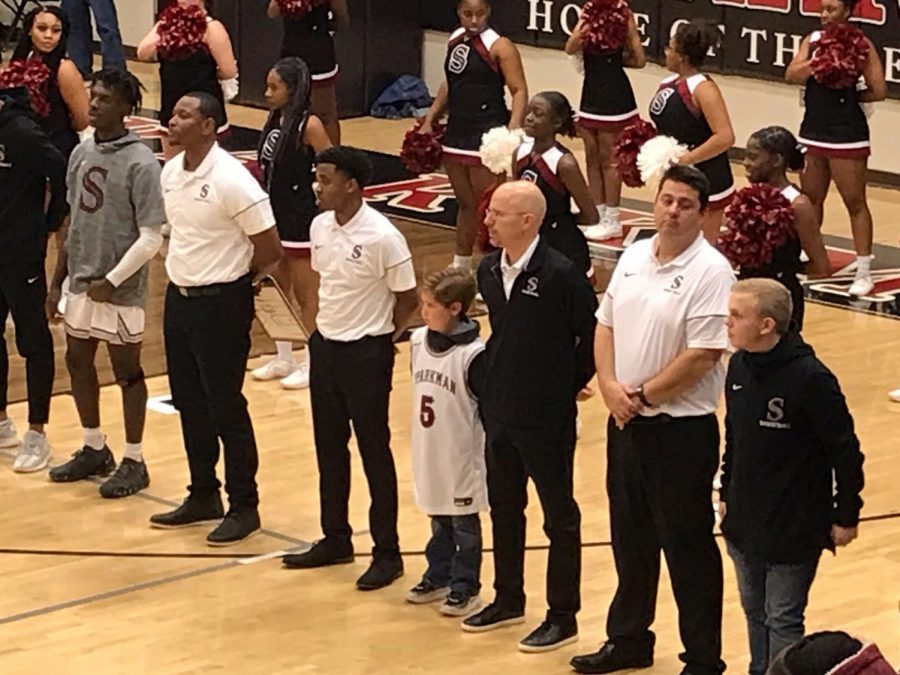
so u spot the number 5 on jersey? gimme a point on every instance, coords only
(426, 412)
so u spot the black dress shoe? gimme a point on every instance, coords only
(193, 511)
(236, 527)
(491, 617)
(549, 636)
(609, 659)
(323, 553)
(382, 572)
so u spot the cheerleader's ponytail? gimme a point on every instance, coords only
(563, 113)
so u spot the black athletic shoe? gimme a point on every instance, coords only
(609, 659)
(193, 511)
(131, 478)
(236, 527)
(549, 636)
(491, 617)
(323, 553)
(85, 463)
(382, 572)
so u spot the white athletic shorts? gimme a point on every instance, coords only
(115, 324)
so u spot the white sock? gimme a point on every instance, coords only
(304, 356)
(463, 262)
(133, 452)
(612, 214)
(863, 266)
(94, 438)
(601, 209)
(285, 351)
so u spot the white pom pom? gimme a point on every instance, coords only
(656, 156)
(230, 88)
(497, 148)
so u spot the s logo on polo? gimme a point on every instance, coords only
(530, 176)
(776, 410)
(675, 285)
(204, 191)
(357, 252)
(531, 287)
(660, 100)
(459, 59)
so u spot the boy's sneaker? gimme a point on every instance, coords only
(276, 369)
(85, 463)
(132, 477)
(9, 438)
(459, 604)
(425, 592)
(34, 455)
(299, 379)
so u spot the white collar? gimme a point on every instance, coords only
(523, 261)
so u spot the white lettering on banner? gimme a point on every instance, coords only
(755, 34)
(569, 18)
(534, 14)
(642, 21)
(783, 54)
(892, 63)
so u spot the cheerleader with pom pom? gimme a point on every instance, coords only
(771, 222)
(841, 69)
(309, 27)
(607, 40)
(288, 146)
(689, 107)
(60, 101)
(195, 54)
(543, 161)
(480, 65)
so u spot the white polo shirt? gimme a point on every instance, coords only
(361, 265)
(511, 271)
(657, 311)
(212, 211)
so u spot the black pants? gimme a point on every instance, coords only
(207, 343)
(351, 382)
(23, 290)
(545, 455)
(659, 480)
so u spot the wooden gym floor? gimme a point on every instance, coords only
(90, 588)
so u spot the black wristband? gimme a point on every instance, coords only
(642, 397)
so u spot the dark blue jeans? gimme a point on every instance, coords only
(774, 597)
(81, 34)
(454, 553)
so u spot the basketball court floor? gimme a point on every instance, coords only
(90, 588)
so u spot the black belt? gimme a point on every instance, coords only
(212, 289)
(664, 418)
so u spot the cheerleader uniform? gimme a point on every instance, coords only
(197, 72)
(309, 37)
(607, 99)
(290, 186)
(784, 267)
(834, 123)
(675, 114)
(58, 124)
(476, 95)
(560, 228)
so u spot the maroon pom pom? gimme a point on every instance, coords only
(759, 221)
(422, 153)
(482, 238)
(182, 31)
(628, 144)
(296, 9)
(840, 56)
(605, 25)
(34, 75)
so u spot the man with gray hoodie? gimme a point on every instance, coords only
(117, 214)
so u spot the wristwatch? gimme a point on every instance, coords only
(642, 397)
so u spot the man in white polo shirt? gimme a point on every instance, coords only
(223, 238)
(367, 294)
(660, 338)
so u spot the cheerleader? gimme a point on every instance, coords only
(309, 36)
(554, 169)
(771, 152)
(200, 62)
(478, 66)
(44, 34)
(836, 135)
(287, 150)
(690, 108)
(607, 106)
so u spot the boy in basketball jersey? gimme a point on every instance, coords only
(448, 442)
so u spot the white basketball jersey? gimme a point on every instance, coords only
(450, 477)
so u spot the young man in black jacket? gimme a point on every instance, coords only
(792, 470)
(538, 358)
(28, 164)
